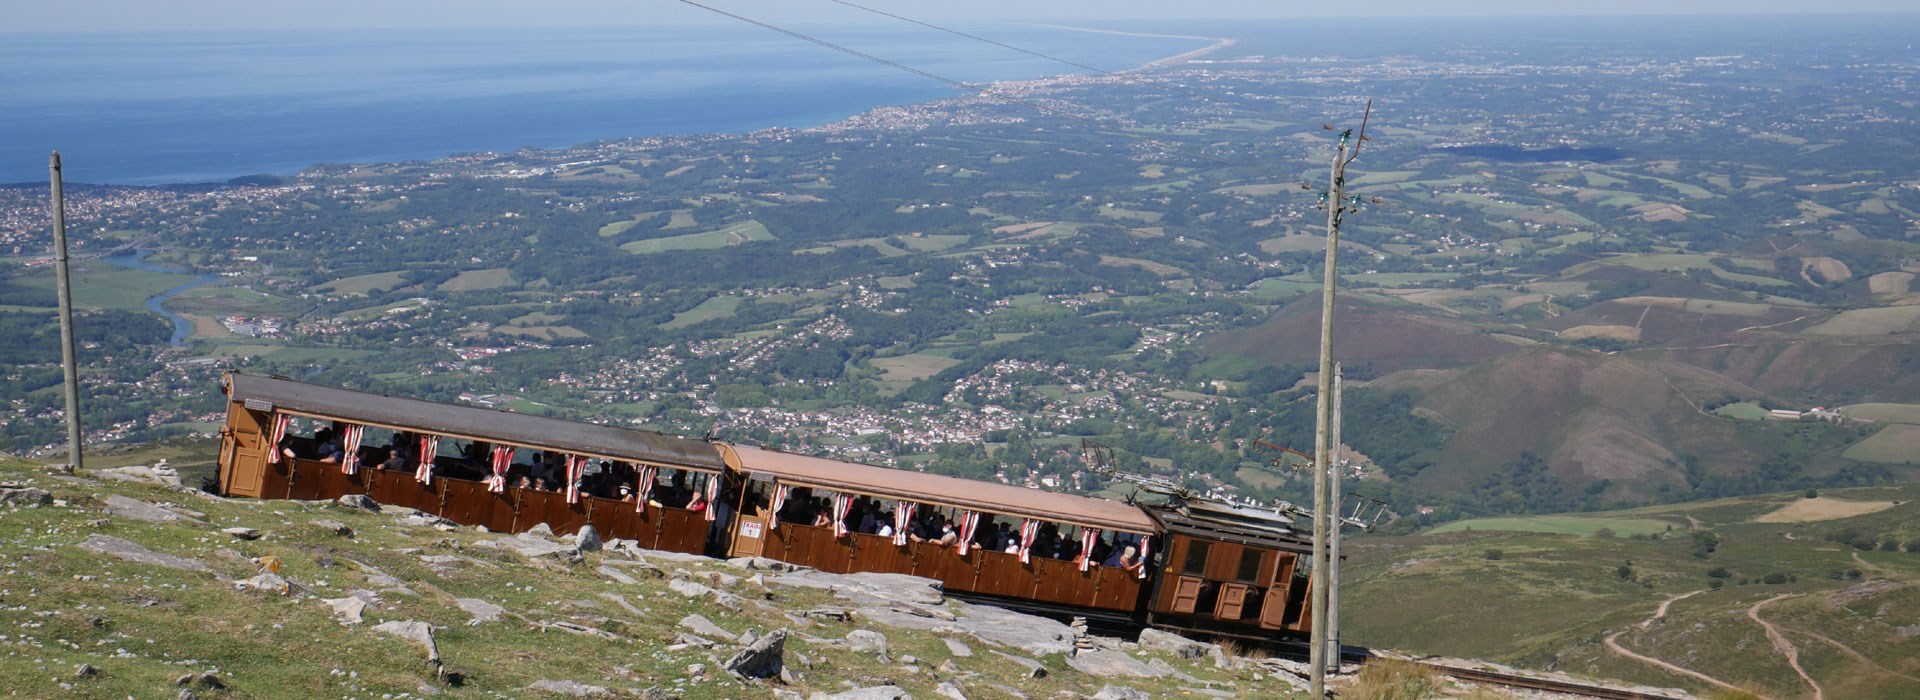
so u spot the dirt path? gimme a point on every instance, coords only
(1613, 642)
(1693, 523)
(1857, 656)
(1783, 645)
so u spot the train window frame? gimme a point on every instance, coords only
(1189, 564)
(1253, 556)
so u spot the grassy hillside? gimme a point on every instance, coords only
(1563, 592)
(1374, 331)
(503, 620)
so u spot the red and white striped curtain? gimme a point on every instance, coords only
(1029, 529)
(502, 460)
(969, 525)
(1145, 543)
(644, 493)
(712, 512)
(842, 504)
(350, 435)
(575, 465)
(780, 493)
(1088, 536)
(902, 517)
(279, 432)
(429, 448)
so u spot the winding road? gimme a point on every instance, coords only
(1613, 643)
(1783, 645)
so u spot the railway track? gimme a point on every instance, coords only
(1552, 686)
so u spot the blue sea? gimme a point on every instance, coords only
(152, 108)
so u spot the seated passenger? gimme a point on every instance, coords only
(397, 460)
(326, 446)
(698, 502)
(946, 537)
(1118, 558)
(886, 524)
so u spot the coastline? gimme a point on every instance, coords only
(1219, 42)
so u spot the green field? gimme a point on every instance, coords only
(737, 234)
(1877, 321)
(98, 285)
(1894, 444)
(1558, 525)
(362, 284)
(913, 367)
(1744, 410)
(476, 280)
(1885, 412)
(618, 227)
(712, 308)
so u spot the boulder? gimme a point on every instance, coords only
(417, 632)
(358, 501)
(482, 611)
(572, 689)
(879, 692)
(1120, 692)
(122, 549)
(958, 648)
(242, 533)
(334, 526)
(867, 641)
(764, 658)
(1108, 663)
(347, 610)
(1034, 668)
(700, 625)
(26, 497)
(587, 539)
(540, 530)
(1176, 645)
(267, 582)
(948, 690)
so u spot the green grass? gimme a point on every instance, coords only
(1886, 412)
(616, 228)
(1877, 321)
(99, 285)
(1744, 410)
(737, 234)
(911, 367)
(361, 284)
(712, 308)
(477, 280)
(1558, 525)
(1894, 444)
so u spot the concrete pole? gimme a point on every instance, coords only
(1339, 524)
(1336, 202)
(64, 283)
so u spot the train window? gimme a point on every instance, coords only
(1249, 564)
(1196, 562)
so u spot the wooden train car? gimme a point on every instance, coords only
(1195, 566)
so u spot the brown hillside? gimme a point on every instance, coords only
(1662, 320)
(1813, 369)
(1590, 415)
(1368, 331)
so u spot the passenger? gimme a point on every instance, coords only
(870, 519)
(1118, 558)
(698, 502)
(1131, 561)
(326, 446)
(397, 460)
(946, 537)
(1101, 551)
(885, 528)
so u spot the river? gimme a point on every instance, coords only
(136, 259)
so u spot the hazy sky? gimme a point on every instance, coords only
(72, 15)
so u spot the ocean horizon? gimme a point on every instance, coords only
(170, 108)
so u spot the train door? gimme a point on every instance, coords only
(244, 452)
(1274, 611)
(750, 520)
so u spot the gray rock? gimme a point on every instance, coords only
(347, 610)
(617, 575)
(764, 658)
(85, 671)
(587, 539)
(26, 497)
(141, 510)
(760, 564)
(958, 648)
(158, 474)
(699, 624)
(879, 692)
(122, 549)
(572, 689)
(207, 681)
(1107, 663)
(867, 641)
(699, 590)
(950, 668)
(696, 670)
(1120, 692)
(334, 526)
(540, 530)
(1169, 643)
(187, 694)
(244, 533)
(266, 582)
(354, 500)
(1034, 668)
(482, 611)
(1010, 691)
(417, 632)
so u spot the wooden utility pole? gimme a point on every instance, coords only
(1339, 524)
(1323, 518)
(65, 286)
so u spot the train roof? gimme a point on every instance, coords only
(491, 425)
(920, 487)
(1232, 523)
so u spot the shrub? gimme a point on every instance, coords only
(1890, 546)
(1603, 532)
(1717, 584)
(1496, 555)
(1774, 579)
(1813, 493)
(1394, 679)
(1624, 572)
(1853, 574)
(1720, 572)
